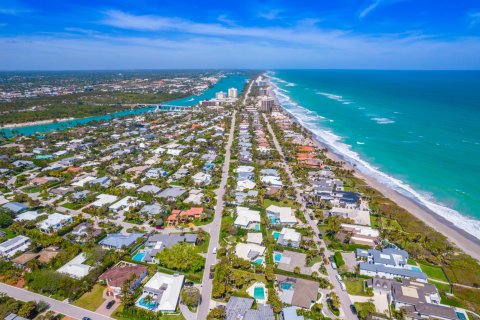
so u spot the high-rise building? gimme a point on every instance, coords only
(232, 93)
(220, 95)
(267, 104)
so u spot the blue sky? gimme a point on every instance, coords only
(121, 34)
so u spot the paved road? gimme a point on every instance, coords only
(215, 229)
(55, 305)
(344, 298)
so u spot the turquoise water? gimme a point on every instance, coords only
(150, 305)
(231, 81)
(259, 293)
(277, 256)
(415, 131)
(276, 235)
(415, 269)
(286, 285)
(258, 261)
(139, 256)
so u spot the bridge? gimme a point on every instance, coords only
(169, 108)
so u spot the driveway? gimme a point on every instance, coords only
(103, 307)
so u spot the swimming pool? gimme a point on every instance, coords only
(273, 220)
(277, 256)
(276, 235)
(139, 256)
(258, 261)
(286, 285)
(257, 227)
(415, 268)
(461, 316)
(259, 293)
(150, 305)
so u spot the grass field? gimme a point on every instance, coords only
(283, 203)
(92, 299)
(355, 287)
(433, 272)
(441, 287)
(118, 314)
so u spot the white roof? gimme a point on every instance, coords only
(361, 230)
(201, 176)
(128, 185)
(275, 181)
(242, 250)
(285, 214)
(359, 216)
(245, 184)
(246, 216)
(254, 237)
(170, 297)
(127, 202)
(103, 199)
(290, 234)
(82, 182)
(53, 219)
(75, 267)
(245, 169)
(28, 216)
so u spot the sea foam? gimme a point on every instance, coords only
(334, 142)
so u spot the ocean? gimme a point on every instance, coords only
(417, 132)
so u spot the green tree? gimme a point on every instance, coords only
(5, 220)
(216, 314)
(27, 310)
(190, 296)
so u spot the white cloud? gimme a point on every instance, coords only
(369, 9)
(474, 18)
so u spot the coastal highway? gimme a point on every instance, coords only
(342, 295)
(55, 305)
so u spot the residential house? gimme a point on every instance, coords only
(172, 193)
(149, 188)
(54, 222)
(157, 242)
(10, 247)
(28, 216)
(288, 237)
(15, 207)
(151, 209)
(126, 204)
(119, 241)
(76, 268)
(155, 173)
(281, 215)
(296, 291)
(250, 252)
(103, 182)
(195, 196)
(165, 291)
(202, 178)
(241, 308)
(361, 234)
(117, 276)
(247, 219)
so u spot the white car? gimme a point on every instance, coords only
(215, 250)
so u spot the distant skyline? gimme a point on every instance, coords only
(141, 34)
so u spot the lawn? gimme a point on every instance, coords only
(31, 189)
(441, 287)
(374, 221)
(118, 314)
(92, 299)
(315, 260)
(390, 224)
(433, 272)
(72, 206)
(355, 288)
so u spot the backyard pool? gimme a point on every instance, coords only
(461, 316)
(149, 305)
(273, 220)
(139, 256)
(257, 227)
(276, 235)
(415, 268)
(259, 293)
(277, 256)
(286, 285)
(258, 261)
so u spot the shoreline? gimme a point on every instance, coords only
(462, 239)
(34, 123)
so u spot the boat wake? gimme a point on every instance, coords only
(310, 120)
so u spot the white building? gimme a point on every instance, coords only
(75, 267)
(165, 291)
(54, 222)
(247, 219)
(289, 238)
(10, 247)
(220, 95)
(249, 251)
(126, 203)
(282, 215)
(202, 178)
(28, 216)
(104, 199)
(232, 93)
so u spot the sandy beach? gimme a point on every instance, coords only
(33, 123)
(465, 241)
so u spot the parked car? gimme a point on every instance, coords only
(86, 318)
(110, 304)
(188, 284)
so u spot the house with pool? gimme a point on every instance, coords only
(281, 215)
(251, 252)
(161, 293)
(247, 219)
(288, 237)
(296, 291)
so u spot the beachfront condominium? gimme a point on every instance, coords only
(232, 93)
